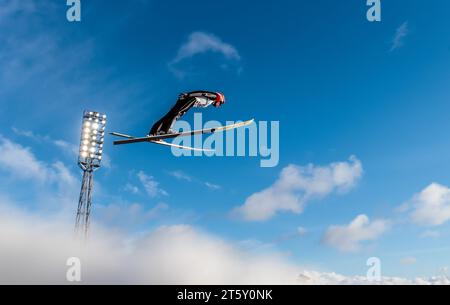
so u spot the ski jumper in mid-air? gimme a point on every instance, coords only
(186, 101)
(161, 131)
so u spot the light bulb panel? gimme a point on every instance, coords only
(92, 138)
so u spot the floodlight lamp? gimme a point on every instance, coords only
(92, 139)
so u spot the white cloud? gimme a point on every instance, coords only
(349, 238)
(431, 207)
(180, 175)
(408, 261)
(63, 175)
(128, 215)
(200, 42)
(400, 34)
(297, 185)
(302, 231)
(20, 162)
(169, 255)
(133, 189)
(212, 186)
(24, 133)
(150, 185)
(53, 186)
(322, 278)
(430, 234)
(177, 254)
(9, 8)
(65, 146)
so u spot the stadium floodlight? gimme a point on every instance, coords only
(92, 140)
(89, 159)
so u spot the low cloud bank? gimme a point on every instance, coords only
(35, 251)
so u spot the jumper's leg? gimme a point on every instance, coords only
(163, 125)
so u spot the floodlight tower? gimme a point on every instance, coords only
(89, 160)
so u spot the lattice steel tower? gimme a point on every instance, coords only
(89, 160)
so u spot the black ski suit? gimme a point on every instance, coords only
(186, 101)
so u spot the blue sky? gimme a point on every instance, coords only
(339, 85)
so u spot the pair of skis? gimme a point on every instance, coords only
(160, 140)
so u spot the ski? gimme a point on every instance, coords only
(131, 140)
(121, 135)
(164, 143)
